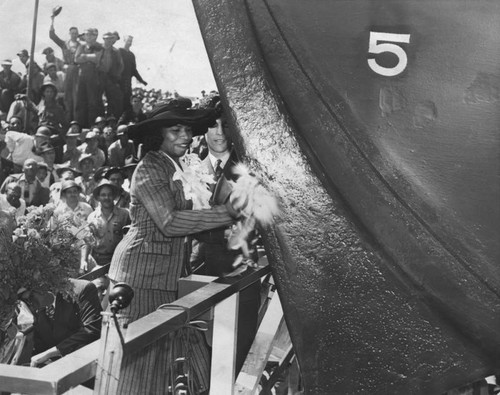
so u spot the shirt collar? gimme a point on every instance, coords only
(213, 159)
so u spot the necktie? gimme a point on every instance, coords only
(218, 169)
(50, 311)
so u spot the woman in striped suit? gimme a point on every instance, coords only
(155, 252)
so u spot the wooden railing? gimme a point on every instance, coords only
(94, 359)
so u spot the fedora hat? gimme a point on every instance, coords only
(71, 133)
(105, 183)
(43, 131)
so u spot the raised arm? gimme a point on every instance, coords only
(54, 37)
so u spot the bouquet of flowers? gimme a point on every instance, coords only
(258, 207)
(196, 181)
(43, 253)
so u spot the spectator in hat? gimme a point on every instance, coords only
(86, 179)
(49, 110)
(116, 177)
(23, 146)
(110, 70)
(50, 57)
(9, 85)
(88, 101)
(71, 153)
(24, 57)
(121, 148)
(32, 190)
(129, 71)
(43, 175)
(108, 220)
(11, 202)
(108, 138)
(64, 172)
(23, 108)
(91, 147)
(48, 153)
(70, 202)
(68, 48)
(133, 112)
(57, 78)
(111, 121)
(100, 123)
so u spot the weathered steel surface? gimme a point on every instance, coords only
(386, 251)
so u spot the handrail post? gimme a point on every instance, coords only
(110, 355)
(224, 346)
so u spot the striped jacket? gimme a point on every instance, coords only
(154, 252)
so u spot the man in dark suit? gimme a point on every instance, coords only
(63, 325)
(213, 252)
(33, 192)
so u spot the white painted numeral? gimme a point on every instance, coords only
(375, 48)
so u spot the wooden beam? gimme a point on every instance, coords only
(224, 346)
(110, 355)
(55, 378)
(26, 380)
(259, 353)
(74, 368)
(150, 328)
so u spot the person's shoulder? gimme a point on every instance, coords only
(80, 287)
(114, 144)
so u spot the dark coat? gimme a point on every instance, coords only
(76, 322)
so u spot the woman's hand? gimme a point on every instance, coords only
(43, 357)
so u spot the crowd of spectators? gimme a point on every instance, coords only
(64, 141)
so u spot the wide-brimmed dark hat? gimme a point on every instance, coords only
(105, 183)
(171, 114)
(100, 173)
(113, 170)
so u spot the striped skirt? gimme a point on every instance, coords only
(152, 370)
